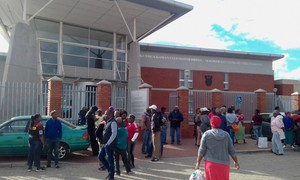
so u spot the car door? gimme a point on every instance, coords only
(14, 137)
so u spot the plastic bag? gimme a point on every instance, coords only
(197, 175)
(235, 127)
(262, 142)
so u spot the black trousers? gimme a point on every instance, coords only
(123, 153)
(94, 143)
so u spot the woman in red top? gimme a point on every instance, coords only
(257, 124)
(133, 133)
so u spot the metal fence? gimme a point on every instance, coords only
(173, 100)
(198, 99)
(285, 103)
(75, 98)
(270, 102)
(22, 98)
(246, 101)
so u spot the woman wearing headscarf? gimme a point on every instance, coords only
(215, 148)
(277, 127)
(241, 134)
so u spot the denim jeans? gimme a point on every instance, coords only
(257, 130)
(231, 133)
(109, 162)
(52, 144)
(163, 135)
(34, 153)
(146, 141)
(172, 133)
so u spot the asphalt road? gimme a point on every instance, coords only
(263, 165)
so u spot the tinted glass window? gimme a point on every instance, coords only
(100, 38)
(75, 34)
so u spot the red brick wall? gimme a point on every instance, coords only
(103, 95)
(250, 82)
(199, 80)
(161, 98)
(285, 89)
(55, 92)
(160, 78)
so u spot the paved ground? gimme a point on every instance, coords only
(178, 163)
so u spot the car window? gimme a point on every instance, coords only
(266, 117)
(17, 126)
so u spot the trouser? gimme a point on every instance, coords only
(108, 151)
(123, 154)
(276, 143)
(163, 134)
(198, 135)
(257, 130)
(94, 143)
(130, 149)
(52, 145)
(34, 153)
(156, 144)
(146, 141)
(174, 130)
(231, 133)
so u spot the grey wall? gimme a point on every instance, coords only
(2, 65)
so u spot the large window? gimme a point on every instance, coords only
(186, 78)
(81, 47)
(48, 54)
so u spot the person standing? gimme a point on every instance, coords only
(121, 149)
(156, 120)
(205, 122)
(241, 134)
(175, 118)
(288, 129)
(197, 130)
(133, 133)
(81, 114)
(146, 127)
(106, 154)
(220, 114)
(35, 142)
(277, 127)
(98, 117)
(164, 127)
(230, 119)
(216, 147)
(257, 124)
(53, 134)
(91, 119)
(99, 138)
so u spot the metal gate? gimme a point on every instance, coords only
(76, 97)
(22, 98)
(246, 101)
(198, 99)
(285, 103)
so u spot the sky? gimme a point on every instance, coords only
(260, 26)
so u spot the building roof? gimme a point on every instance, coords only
(99, 14)
(209, 52)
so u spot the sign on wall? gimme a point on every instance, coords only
(139, 102)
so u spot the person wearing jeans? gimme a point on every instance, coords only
(257, 124)
(53, 134)
(146, 127)
(109, 144)
(35, 142)
(175, 117)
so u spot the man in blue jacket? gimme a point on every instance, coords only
(175, 117)
(53, 134)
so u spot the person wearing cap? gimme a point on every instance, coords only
(175, 118)
(216, 148)
(133, 133)
(205, 123)
(156, 120)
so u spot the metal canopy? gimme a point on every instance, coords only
(99, 14)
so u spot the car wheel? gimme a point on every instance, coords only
(63, 151)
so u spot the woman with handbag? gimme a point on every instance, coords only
(231, 119)
(240, 135)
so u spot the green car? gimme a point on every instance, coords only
(14, 137)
